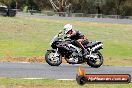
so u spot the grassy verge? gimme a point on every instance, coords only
(21, 83)
(30, 37)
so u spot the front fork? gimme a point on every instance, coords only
(56, 53)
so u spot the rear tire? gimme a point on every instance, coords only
(92, 64)
(52, 63)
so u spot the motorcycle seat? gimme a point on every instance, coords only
(91, 44)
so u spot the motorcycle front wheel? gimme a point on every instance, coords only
(52, 58)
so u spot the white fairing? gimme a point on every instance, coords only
(78, 49)
(59, 35)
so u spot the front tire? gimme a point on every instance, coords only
(92, 62)
(51, 60)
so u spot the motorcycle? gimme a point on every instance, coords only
(63, 48)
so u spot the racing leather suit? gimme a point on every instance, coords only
(78, 39)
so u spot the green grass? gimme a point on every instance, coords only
(23, 83)
(22, 36)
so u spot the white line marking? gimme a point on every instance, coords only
(32, 78)
(23, 62)
(65, 79)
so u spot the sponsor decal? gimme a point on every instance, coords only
(83, 78)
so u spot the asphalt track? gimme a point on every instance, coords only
(64, 71)
(83, 19)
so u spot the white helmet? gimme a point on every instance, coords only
(67, 28)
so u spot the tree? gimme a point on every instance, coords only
(108, 7)
(60, 5)
(6, 2)
(117, 7)
(42, 4)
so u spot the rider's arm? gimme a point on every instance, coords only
(81, 35)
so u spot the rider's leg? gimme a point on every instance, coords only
(79, 43)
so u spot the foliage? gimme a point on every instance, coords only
(109, 7)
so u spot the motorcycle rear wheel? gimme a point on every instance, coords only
(92, 63)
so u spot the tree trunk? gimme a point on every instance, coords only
(61, 7)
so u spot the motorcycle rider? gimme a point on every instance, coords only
(77, 36)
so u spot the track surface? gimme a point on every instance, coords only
(64, 71)
(85, 19)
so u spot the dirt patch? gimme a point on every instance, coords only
(23, 86)
(40, 59)
(34, 59)
(22, 59)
